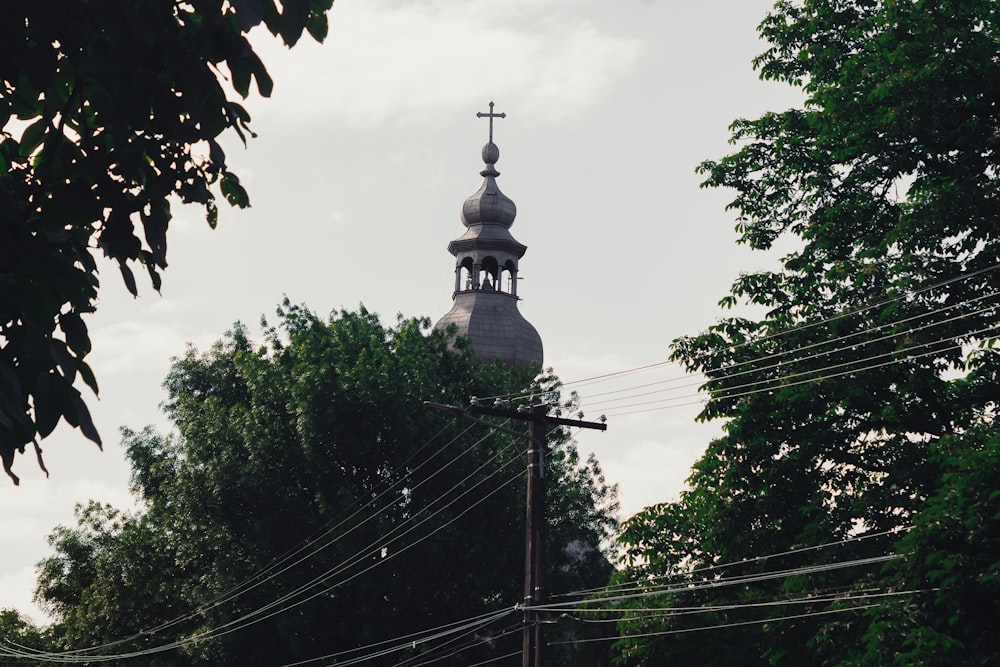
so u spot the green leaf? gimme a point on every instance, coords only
(75, 330)
(155, 224)
(75, 410)
(241, 69)
(234, 193)
(265, 85)
(318, 26)
(32, 137)
(128, 277)
(47, 411)
(88, 375)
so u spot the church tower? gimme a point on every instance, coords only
(486, 265)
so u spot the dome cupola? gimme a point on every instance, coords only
(486, 265)
(488, 204)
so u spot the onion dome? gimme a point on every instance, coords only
(488, 205)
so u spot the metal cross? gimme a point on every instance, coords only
(491, 116)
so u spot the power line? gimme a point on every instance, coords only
(720, 374)
(789, 330)
(745, 561)
(719, 626)
(784, 385)
(723, 582)
(247, 619)
(254, 616)
(628, 613)
(411, 641)
(437, 654)
(248, 584)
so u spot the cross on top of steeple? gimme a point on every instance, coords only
(491, 116)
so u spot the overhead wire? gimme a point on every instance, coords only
(444, 651)
(496, 659)
(780, 383)
(781, 386)
(403, 550)
(607, 405)
(718, 626)
(400, 643)
(270, 570)
(424, 660)
(617, 614)
(374, 547)
(254, 616)
(721, 374)
(910, 293)
(850, 595)
(744, 561)
(247, 584)
(721, 582)
(410, 641)
(873, 358)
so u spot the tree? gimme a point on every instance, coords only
(17, 632)
(952, 563)
(109, 112)
(850, 401)
(307, 476)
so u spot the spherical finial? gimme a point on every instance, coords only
(491, 153)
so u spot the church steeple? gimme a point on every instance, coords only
(486, 265)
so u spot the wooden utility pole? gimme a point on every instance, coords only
(533, 642)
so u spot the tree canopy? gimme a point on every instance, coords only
(109, 111)
(309, 505)
(860, 406)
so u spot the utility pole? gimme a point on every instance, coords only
(533, 643)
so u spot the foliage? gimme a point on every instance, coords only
(108, 112)
(851, 401)
(16, 634)
(317, 444)
(953, 560)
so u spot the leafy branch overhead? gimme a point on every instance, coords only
(109, 110)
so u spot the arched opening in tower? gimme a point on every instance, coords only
(464, 279)
(489, 275)
(508, 279)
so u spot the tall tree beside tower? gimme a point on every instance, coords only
(310, 505)
(860, 407)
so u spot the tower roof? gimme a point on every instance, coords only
(486, 265)
(488, 204)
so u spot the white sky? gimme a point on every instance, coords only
(367, 150)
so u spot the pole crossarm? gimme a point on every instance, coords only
(527, 416)
(510, 414)
(460, 412)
